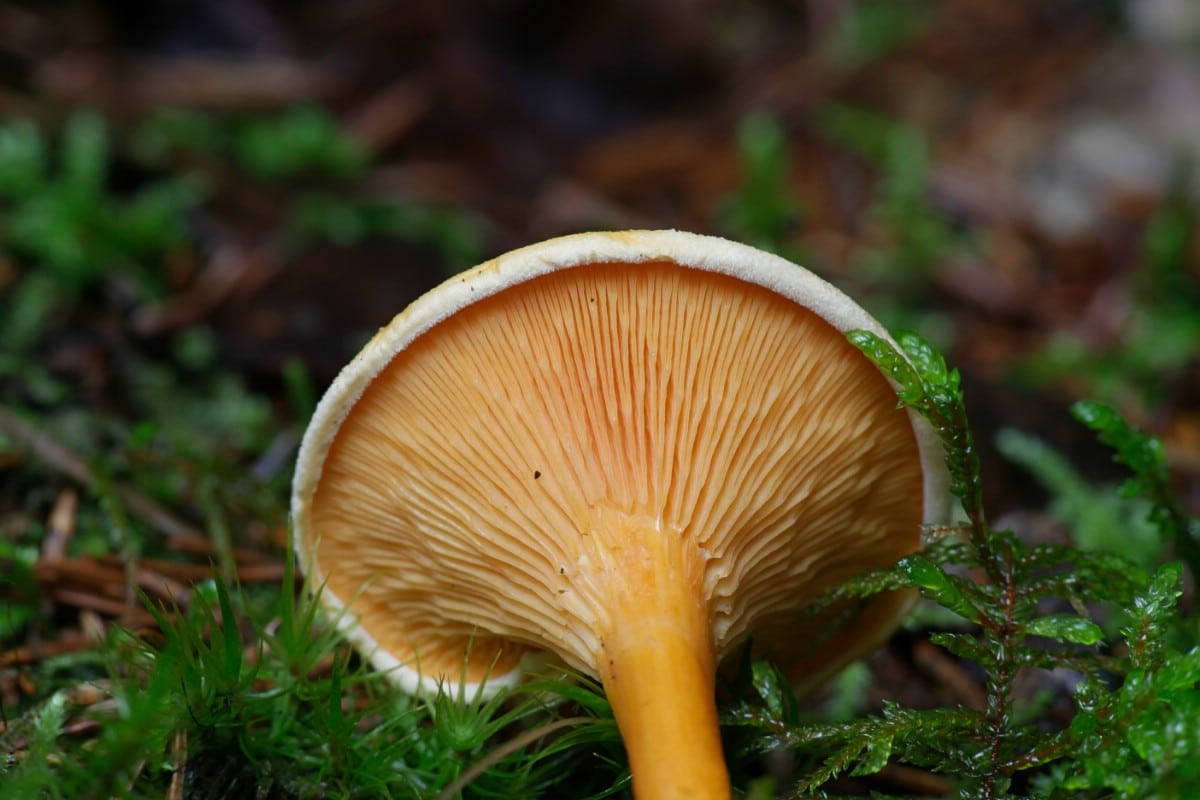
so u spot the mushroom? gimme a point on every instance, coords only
(639, 452)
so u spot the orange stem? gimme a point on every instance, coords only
(659, 677)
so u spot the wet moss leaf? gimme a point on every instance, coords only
(1066, 628)
(937, 585)
(775, 690)
(878, 751)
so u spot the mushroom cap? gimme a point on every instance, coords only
(478, 485)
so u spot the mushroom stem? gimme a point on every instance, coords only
(661, 692)
(658, 670)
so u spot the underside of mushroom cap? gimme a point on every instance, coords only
(479, 483)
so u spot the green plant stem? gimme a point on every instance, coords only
(1000, 692)
(508, 748)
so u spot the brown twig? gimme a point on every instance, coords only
(61, 526)
(947, 673)
(915, 781)
(56, 455)
(204, 547)
(107, 575)
(179, 763)
(23, 656)
(130, 616)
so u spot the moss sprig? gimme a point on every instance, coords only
(1028, 608)
(1146, 459)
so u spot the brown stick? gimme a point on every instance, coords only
(54, 454)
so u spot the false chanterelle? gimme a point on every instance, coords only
(636, 451)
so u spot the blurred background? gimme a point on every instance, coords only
(1014, 179)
